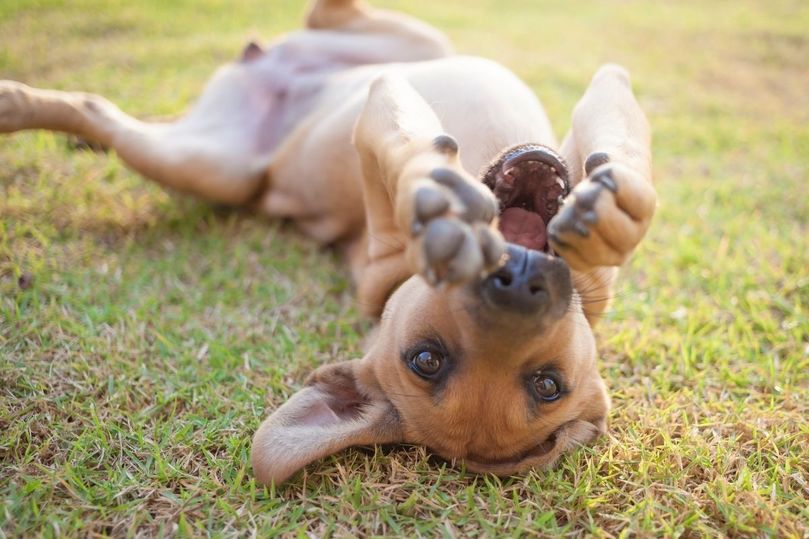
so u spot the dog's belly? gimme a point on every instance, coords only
(315, 172)
(252, 106)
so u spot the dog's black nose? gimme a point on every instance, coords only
(530, 282)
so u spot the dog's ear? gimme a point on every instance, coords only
(252, 51)
(341, 406)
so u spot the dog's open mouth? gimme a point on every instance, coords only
(530, 181)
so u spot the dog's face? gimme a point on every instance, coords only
(494, 373)
(500, 372)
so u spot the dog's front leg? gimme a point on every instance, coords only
(611, 206)
(608, 212)
(425, 213)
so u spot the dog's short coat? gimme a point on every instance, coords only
(367, 131)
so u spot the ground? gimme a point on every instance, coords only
(144, 335)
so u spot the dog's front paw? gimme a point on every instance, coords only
(605, 217)
(452, 238)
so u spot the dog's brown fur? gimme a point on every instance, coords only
(345, 128)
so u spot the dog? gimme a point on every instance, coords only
(486, 250)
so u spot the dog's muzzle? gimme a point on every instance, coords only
(530, 283)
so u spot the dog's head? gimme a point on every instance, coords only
(499, 373)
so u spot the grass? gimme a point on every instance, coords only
(154, 332)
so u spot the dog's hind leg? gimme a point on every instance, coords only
(425, 213)
(335, 13)
(387, 36)
(613, 201)
(214, 162)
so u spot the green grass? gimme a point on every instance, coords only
(157, 331)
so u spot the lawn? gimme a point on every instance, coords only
(144, 335)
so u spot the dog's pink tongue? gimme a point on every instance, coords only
(523, 228)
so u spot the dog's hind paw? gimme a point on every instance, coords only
(13, 104)
(605, 217)
(453, 240)
(12, 96)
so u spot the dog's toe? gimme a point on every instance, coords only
(478, 204)
(605, 217)
(451, 228)
(492, 246)
(451, 252)
(430, 202)
(442, 240)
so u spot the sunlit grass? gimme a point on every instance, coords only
(153, 332)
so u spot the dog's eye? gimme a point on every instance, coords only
(426, 363)
(547, 387)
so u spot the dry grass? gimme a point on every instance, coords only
(154, 331)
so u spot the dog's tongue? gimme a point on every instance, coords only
(523, 228)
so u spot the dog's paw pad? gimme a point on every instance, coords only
(475, 204)
(595, 160)
(446, 144)
(492, 246)
(455, 252)
(451, 228)
(429, 203)
(605, 178)
(442, 239)
(605, 217)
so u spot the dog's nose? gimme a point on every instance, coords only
(529, 282)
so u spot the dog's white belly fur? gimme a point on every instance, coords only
(480, 103)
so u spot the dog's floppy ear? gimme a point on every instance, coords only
(339, 407)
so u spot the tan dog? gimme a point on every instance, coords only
(364, 128)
